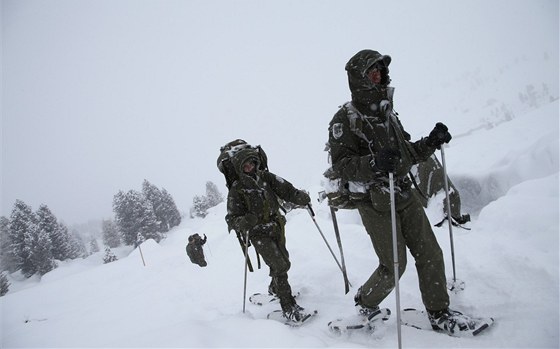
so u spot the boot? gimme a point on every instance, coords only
(371, 313)
(295, 314)
(272, 289)
(453, 323)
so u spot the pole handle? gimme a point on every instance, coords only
(310, 210)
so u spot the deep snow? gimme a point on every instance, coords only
(504, 158)
(509, 262)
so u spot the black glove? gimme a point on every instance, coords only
(438, 136)
(247, 222)
(302, 198)
(387, 159)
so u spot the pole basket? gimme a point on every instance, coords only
(455, 286)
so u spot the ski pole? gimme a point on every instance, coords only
(395, 255)
(449, 218)
(339, 242)
(312, 214)
(246, 264)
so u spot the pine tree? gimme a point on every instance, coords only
(172, 215)
(213, 195)
(4, 284)
(93, 245)
(47, 227)
(42, 257)
(77, 248)
(61, 245)
(7, 259)
(201, 204)
(134, 215)
(155, 197)
(111, 237)
(166, 211)
(199, 207)
(109, 256)
(22, 233)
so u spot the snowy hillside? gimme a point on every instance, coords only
(509, 262)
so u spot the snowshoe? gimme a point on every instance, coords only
(263, 299)
(450, 322)
(295, 318)
(362, 321)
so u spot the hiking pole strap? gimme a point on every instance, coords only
(242, 244)
(395, 255)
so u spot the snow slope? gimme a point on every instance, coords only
(505, 162)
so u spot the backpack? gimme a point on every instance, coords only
(229, 150)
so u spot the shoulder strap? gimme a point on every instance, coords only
(355, 120)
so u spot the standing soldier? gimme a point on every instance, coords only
(367, 141)
(253, 207)
(195, 251)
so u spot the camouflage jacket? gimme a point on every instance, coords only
(259, 197)
(355, 138)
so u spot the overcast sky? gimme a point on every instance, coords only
(99, 95)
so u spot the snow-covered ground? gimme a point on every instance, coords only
(504, 161)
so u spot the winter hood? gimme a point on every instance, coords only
(242, 156)
(363, 90)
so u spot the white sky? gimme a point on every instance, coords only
(99, 95)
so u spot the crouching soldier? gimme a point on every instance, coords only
(194, 249)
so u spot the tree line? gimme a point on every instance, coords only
(33, 242)
(202, 203)
(139, 216)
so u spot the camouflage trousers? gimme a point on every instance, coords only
(413, 232)
(277, 258)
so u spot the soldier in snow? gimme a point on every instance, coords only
(367, 141)
(253, 208)
(195, 251)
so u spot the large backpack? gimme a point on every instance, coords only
(229, 150)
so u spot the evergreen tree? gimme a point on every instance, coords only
(93, 245)
(213, 195)
(201, 204)
(7, 258)
(42, 257)
(109, 256)
(47, 227)
(4, 284)
(61, 245)
(166, 211)
(77, 248)
(155, 197)
(111, 237)
(21, 234)
(172, 215)
(199, 207)
(46, 221)
(134, 215)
